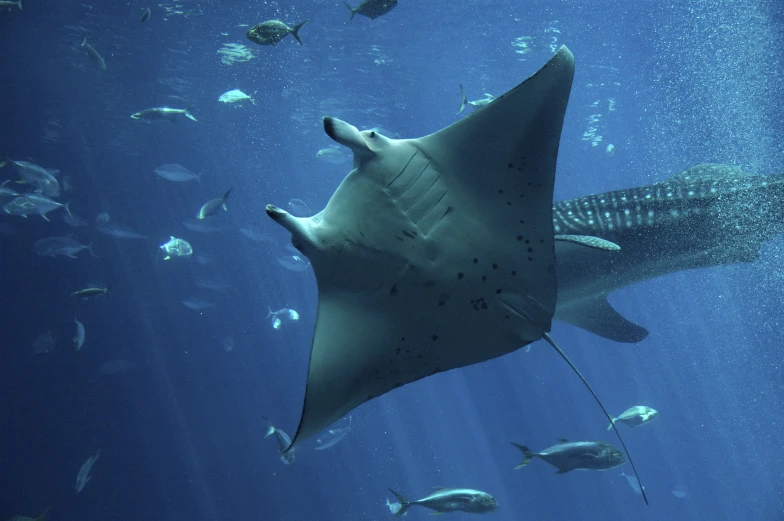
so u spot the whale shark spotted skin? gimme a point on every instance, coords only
(708, 215)
(433, 253)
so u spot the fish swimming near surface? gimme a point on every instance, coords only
(576, 455)
(636, 416)
(284, 442)
(85, 472)
(81, 334)
(176, 173)
(146, 12)
(212, 206)
(448, 500)
(93, 55)
(9, 4)
(372, 8)
(91, 293)
(477, 104)
(708, 215)
(272, 32)
(163, 114)
(65, 246)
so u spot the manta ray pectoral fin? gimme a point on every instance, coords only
(600, 318)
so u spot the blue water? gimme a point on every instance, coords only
(182, 432)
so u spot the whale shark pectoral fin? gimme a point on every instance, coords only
(600, 318)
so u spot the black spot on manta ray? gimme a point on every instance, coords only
(519, 237)
(484, 278)
(500, 191)
(460, 275)
(435, 337)
(393, 291)
(495, 266)
(476, 261)
(498, 291)
(509, 165)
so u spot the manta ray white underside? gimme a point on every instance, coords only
(434, 253)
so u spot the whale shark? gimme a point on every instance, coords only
(433, 253)
(708, 215)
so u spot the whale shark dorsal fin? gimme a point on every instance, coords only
(433, 253)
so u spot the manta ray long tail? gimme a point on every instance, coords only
(596, 397)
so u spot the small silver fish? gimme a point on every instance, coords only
(212, 206)
(636, 416)
(477, 104)
(85, 471)
(81, 333)
(93, 54)
(43, 179)
(146, 12)
(163, 114)
(272, 32)
(176, 173)
(89, 293)
(448, 500)
(65, 246)
(27, 204)
(284, 442)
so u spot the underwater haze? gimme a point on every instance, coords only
(151, 394)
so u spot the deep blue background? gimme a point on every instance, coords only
(182, 435)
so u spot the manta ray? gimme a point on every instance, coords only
(708, 215)
(435, 253)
